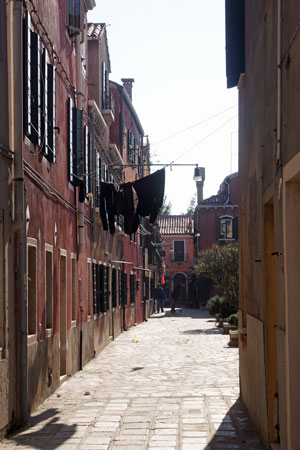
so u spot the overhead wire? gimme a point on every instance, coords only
(202, 140)
(193, 126)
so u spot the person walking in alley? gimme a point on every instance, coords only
(175, 296)
(159, 296)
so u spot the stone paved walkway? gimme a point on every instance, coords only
(171, 383)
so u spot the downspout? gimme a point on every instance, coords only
(80, 209)
(278, 152)
(14, 11)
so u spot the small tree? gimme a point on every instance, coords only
(220, 264)
(192, 205)
(166, 207)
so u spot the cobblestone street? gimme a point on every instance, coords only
(171, 383)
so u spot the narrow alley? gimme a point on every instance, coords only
(171, 383)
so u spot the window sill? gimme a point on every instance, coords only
(73, 323)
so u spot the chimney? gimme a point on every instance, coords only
(200, 184)
(127, 84)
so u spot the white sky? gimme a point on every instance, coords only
(175, 51)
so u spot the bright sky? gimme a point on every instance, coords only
(175, 51)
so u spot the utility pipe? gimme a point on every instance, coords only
(80, 223)
(279, 67)
(15, 113)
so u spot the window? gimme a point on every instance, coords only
(49, 287)
(39, 93)
(32, 91)
(74, 17)
(73, 287)
(32, 289)
(178, 248)
(76, 158)
(228, 227)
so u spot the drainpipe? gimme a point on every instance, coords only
(80, 223)
(278, 152)
(15, 112)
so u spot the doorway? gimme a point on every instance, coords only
(63, 313)
(271, 322)
(180, 278)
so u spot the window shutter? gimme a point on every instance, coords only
(50, 104)
(120, 286)
(235, 228)
(128, 144)
(103, 80)
(91, 168)
(235, 40)
(99, 293)
(71, 138)
(106, 291)
(101, 280)
(27, 75)
(53, 114)
(44, 101)
(134, 152)
(97, 193)
(78, 155)
(94, 268)
(87, 158)
(35, 101)
(124, 132)
(47, 78)
(125, 288)
(131, 288)
(114, 287)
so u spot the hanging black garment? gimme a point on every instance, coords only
(128, 207)
(150, 191)
(107, 206)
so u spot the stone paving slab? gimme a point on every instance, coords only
(171, 383)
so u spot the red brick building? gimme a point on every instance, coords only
(216, 217)
(177, 234)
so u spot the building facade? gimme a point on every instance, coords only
(262, 45)
(216, 217)
(177, 236)
(71, 280)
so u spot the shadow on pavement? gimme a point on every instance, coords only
(236, 431)
(203, 331)
(45, 435)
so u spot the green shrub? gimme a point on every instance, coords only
(226, 308)
(233, 319)
(213, 305)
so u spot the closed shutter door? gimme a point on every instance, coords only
(94, 269)
(71, 139)
(114, 287)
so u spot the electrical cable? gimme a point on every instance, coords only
(193, 126)
(202, 140)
